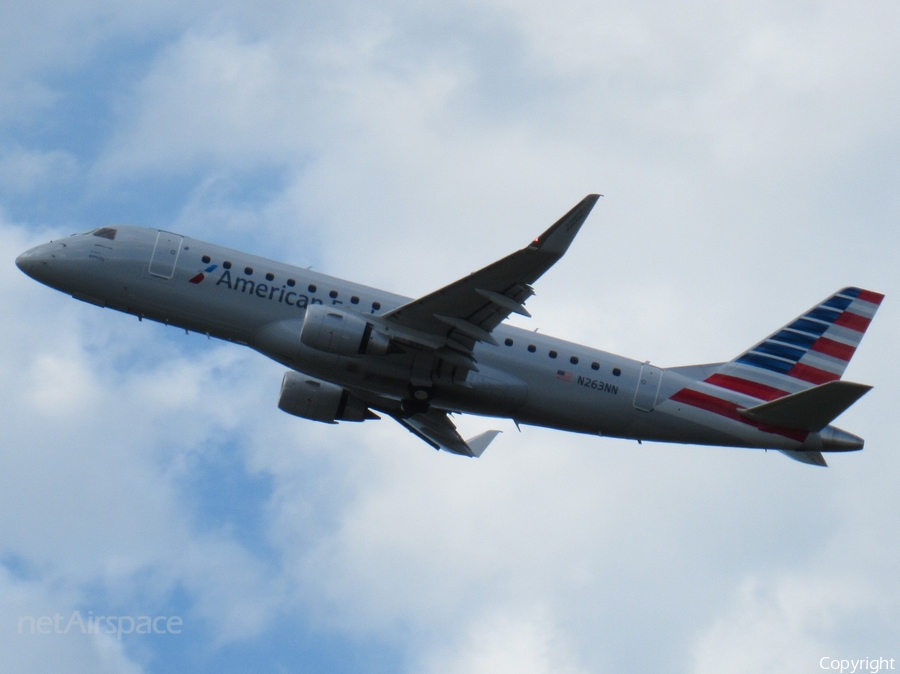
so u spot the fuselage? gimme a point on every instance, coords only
(532, 378)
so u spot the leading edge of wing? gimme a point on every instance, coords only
(467, 310)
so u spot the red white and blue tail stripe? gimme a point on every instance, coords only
(813, 349)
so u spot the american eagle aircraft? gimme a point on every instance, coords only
(355, 352)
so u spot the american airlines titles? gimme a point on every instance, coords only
(266, 291)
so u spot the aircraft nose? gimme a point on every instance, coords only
(35, 260)
(27, 262)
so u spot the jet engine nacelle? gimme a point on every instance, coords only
(319, 400)
(345, 333)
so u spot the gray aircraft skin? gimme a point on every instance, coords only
(354, 351)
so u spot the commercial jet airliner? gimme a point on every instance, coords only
(355, 352)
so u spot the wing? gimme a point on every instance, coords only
(435, 428)
(465, 312)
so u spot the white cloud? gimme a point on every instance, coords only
(734, 143)
(27, 170)
(208, 100)
(514, 644)
(32, 646)
(42, 41)
(94, 456)
(783, 624)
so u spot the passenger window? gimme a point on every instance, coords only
(508, 341)
(617, 371)
(532, 348)
(376, 305)
(333, 294)
(226, 264)
(354, 300)
(270, 276)
(206, 259)
(312, 287)
(574, 360)
(248, 271)
(552, 354)
(595, 366)
(291, 282)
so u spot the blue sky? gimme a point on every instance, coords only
(747, 154)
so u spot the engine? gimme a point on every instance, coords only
(345, 333)
(319, 400)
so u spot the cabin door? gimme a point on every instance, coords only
(165, 254)
(647, 388)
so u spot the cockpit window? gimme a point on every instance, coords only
(105, 233)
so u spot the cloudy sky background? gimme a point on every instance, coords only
(748, 154)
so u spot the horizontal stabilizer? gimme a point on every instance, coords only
(813, 458)
(809, 410)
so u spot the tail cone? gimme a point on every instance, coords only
(836, 440)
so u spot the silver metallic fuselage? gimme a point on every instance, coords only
(579, 389)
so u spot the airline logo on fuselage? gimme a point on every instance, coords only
(202, 275)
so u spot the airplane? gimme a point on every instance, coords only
(355, 353)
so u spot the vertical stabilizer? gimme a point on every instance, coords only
(813, 349)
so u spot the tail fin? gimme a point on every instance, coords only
(811, 350)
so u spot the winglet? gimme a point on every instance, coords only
(435, 428)
(557, 239)
(480, 442)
